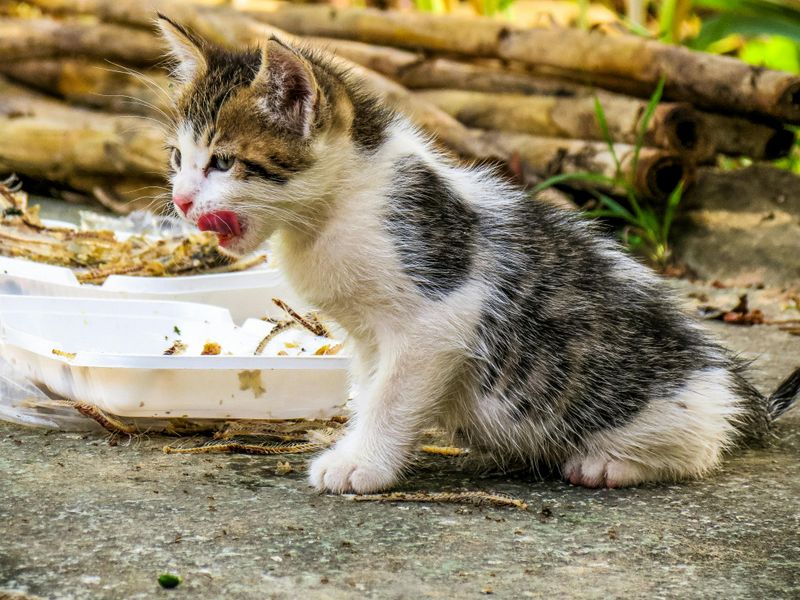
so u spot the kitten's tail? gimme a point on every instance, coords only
(782, 398)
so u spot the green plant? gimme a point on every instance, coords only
(646, 227)
(747, 18)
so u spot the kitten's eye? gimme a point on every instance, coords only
(176, 158)
(221, 163)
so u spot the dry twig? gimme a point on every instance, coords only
(444, 450)
(106, 422)
(476, 498)
(239, 448)
(310, 322)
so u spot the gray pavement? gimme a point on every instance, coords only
(80, 518)
(85, 516)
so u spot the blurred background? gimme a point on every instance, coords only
(672, 121)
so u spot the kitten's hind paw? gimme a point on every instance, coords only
(341, 471)
(599, 472)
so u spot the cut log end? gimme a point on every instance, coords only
(684, 129)
(659, 176)
(779, 145)
(790, 101)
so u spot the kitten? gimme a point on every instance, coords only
(468, 305)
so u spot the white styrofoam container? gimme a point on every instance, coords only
(244, 293)
(119, 366)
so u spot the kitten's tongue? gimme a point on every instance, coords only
(224, 223)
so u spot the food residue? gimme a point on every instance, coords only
(177, 348)
(211, 349)
(251, 380)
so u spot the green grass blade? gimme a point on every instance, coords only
(670, 210)
(666, 20)
(616, 208)
(566, 177)
(650, 110)
(602, 123)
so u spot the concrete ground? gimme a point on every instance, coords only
(82, 516)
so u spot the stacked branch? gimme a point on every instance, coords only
(711, 81)
(487, 91)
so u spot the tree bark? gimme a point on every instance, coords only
(45, 138)
(46, 38)
(674, 126)
(655, 175)
(95, 84)
(735, 136)
(711, 81)
(228, 27)
(123, 195)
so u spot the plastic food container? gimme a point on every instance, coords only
(244, 293)
(110, 353)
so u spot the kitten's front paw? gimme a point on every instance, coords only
(339, 470)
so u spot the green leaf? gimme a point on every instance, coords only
(776, 52)
(719, 27)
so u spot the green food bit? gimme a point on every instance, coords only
(176, 330)
(169, 581)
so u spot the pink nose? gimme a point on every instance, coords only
(183, 202)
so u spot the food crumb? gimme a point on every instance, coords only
(67, 355)
(211, 349)
(283, 468)
(177, 348)
(177, 330)
(328, 350)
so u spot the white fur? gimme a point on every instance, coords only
(409, 349)
(681, 436)
(189, 59)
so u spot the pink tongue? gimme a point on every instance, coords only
(224, 222)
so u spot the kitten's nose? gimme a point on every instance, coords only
(183, 202)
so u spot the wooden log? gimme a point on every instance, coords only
(95, 84)
(711, 81)
(229, 27)
(36, 38)
(414, 30)
(123, 195)
(655, 175)
(706, 80)
(716, 133)
(417, 71)
(45, 138)
(735, 136)
(673, 126)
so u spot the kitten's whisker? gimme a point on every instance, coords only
(148, 81)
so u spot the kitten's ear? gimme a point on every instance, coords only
(185, 48)
(286, 88)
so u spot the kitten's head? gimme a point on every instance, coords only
(251, 126)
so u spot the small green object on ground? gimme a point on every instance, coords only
(169, 581)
